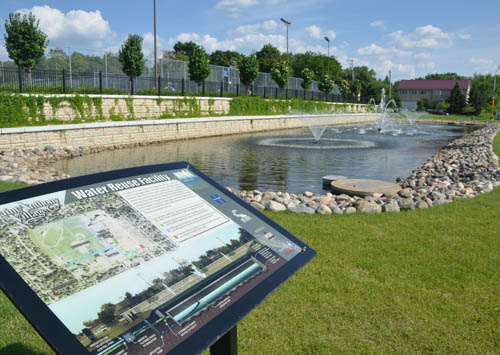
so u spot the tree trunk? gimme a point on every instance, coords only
(29, 76)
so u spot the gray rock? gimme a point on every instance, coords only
(406, 204)
(368, 207)
(308, 194)
(257, 205)
(406, 193)
(337, 210)
(302, 209)
(268, 196)
(350, 210)
(437, 196)
(322, 209)
(274, 206)
(421, 205)
(391, 206)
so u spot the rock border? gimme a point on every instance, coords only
(465, 168)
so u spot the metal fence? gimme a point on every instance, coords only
(172, 80)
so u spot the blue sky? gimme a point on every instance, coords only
(408, 37)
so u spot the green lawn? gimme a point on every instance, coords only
(412, 282)
(484, 116)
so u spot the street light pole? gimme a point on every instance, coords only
(156, 56)
(287, 23)
(328, 40)
(493, 98)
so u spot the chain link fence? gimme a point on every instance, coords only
(173, 79)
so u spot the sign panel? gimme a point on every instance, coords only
(147, 260)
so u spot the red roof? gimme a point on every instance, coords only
(433, 84)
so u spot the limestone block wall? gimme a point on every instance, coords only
(71, 107)
(123, 133)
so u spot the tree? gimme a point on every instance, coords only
(249, 70)
(326, 84)
(344, 87)
(356, 88)
(225, 58)
(131, 58)
(425, 104)
(456, 100)
(443, 105)
(267, 57)
(107, 313)
(307, 78)
(24, 41)
(317, 62)
(185, 50)
(280, 73)
(480, 92)
(199, 69)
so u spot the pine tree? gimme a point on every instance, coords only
(456, 100)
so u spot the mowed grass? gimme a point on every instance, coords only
(410, 282)
(484, 116)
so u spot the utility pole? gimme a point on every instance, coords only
(287, 23)
(352, 69)
(493, 98)
(156, 56)
(328, 40)
(390, 84)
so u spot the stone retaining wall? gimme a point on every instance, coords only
(56, 107)
(121, 133)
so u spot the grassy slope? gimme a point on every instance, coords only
(424, 282)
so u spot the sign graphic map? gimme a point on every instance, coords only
(139, 264)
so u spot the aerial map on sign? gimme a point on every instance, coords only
(137, 265)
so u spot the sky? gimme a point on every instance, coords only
(410, 38)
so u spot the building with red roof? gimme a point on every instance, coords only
(410, 91)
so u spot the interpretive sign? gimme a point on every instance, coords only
(149, 260)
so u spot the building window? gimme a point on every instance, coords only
(436, 92)
(414, 92)
(422, 92)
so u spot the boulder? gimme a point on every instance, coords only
(274, 206)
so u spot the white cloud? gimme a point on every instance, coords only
(374, 49)
(426, 65)
(464, 36)
(235, 5)
(74, 28)
(268, 26)
(378, 24)
(148, 45)
(3, 53)
(429, 36)
(331, 34)
(481, 62)
(314, 31)
(422, 56)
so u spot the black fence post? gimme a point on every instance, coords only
(100, 82)
(238, 89)
(286, 93)
(159, 85)
(20, 74)
(265, 94)
(304, 94)
(276, 93)
(221, 88)
(64, 81)
(203, 89)
(182, 87)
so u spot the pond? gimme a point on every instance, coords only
(288, 160)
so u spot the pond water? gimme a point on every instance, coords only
(288, 160)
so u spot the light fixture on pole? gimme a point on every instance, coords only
(328, 40)
(494, 89)
(156, 55)
(287, 23)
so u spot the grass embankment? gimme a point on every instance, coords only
(483, 117)
(411, 282)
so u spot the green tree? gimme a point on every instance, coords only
(317, 62)
(249, 70)
(344, 87)
(356, 88)
(131, 58)
(307, 78)
(456, 100)
(107, 313)
(24, 41)
(425, 104)
(185, 50)
(326, 84)
(480, 92)
(225, 58)
(443, 105)
(199, 69)
(443, 76)
(280, 73)
(267, 57)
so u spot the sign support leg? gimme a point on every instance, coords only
(227, 345)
